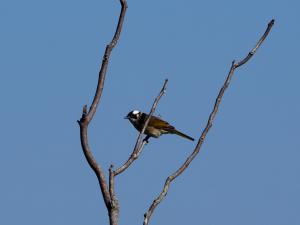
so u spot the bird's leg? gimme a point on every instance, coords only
(146, 139)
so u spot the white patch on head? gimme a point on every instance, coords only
(134, 112)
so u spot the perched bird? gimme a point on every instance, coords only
(156, 126)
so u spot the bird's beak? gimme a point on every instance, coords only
(126, 117)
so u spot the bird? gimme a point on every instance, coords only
(156, 126)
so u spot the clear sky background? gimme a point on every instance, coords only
(247, 172)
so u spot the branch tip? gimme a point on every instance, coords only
(84, 110)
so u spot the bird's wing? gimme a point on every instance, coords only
(160, 124)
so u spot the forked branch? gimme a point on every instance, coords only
(87, 116)
(209, 124)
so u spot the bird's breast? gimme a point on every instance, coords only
(153, 132)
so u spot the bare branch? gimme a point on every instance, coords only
(139, 143)
(87, 115)
(114, 211)
(209, 124)
(251, 53)
(111, 181)
(105, 60)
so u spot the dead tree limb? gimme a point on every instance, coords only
(87, 116)
(209, 124)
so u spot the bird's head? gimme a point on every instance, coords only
(133, 116)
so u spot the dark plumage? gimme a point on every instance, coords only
(156, 126)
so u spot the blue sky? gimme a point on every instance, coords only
(248, 169)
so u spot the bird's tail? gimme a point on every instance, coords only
(182, 135)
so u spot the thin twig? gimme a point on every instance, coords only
(87, 115)
(209, 124)
(139, 143)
